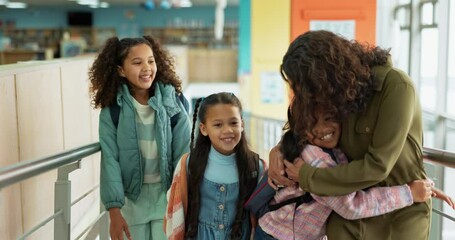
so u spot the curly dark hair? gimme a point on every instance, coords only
(247, 162)
(326, 70)
(105, 79)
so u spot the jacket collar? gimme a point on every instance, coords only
(380, 73)
(164, 97)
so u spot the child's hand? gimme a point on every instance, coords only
(438, 193)
(118, 225)
(421, 190)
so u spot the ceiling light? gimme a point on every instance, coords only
(16, 5)
(185, 3)
(104, 5)
(87, 2)
(92, 3)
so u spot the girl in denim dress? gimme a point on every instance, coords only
(222, 172)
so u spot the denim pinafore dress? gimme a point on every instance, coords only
(217, 211)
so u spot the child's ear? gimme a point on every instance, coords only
(243, 125)
(120, 71)
(203, 129)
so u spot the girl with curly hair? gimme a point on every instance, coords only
(140, 150)
(207, 202)
(381, 130)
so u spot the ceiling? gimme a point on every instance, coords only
(116, 2)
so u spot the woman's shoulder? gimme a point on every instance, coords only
(387, 75)
(396, 75)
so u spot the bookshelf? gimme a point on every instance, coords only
(194, 37)
(51, 37)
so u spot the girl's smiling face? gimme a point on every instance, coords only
(139, 67)
(224, 126)
(326, 131)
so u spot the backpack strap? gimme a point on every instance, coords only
(185, 105)
(184, 101)
(115, 111)
(305, 198)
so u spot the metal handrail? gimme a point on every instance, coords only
(65, 162)
(24, 170)
(439, 156)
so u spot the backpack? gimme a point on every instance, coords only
(259, 202)
(115, 110)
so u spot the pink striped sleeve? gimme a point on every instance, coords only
(361, 204)
(373, 202)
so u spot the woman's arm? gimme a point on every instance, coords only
(378, 200)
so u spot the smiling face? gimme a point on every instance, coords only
(224, 126)
(139, 68)
(325, 132)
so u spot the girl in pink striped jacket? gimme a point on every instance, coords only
(307, 220)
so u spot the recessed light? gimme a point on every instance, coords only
(16, 5)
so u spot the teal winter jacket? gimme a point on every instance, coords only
(122, 166)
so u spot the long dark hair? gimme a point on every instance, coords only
(247, 162)
(326, 70)
(105, 79)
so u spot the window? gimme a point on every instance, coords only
(428, 26)
(450, 105)
(428, 68)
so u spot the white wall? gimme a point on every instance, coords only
(45, 109)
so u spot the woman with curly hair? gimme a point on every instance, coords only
(141, 148)
(381, 130)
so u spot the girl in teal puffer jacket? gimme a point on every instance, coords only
(140, 148)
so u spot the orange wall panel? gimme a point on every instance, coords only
(362, 11)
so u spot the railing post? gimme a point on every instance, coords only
(62, 201)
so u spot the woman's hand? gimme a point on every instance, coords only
(118, 225)
(276, 169)
(292, 169)
(421, 190)
(438, 193)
